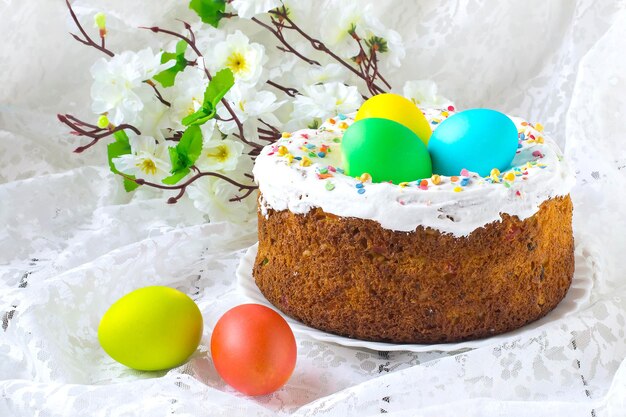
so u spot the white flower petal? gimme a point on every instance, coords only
(247, 9)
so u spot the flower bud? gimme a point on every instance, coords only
(103, 122)
(100, 21)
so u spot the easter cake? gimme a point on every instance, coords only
(438, 253)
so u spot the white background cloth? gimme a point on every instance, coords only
(72, 242)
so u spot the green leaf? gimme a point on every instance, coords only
(122, 137)
(185, 154)
(197, 118)
(190, 145)
(130, 185)
(215, 91)
(173, 179)
(210, 11)
(120, 147)
(177, 163)
(167, 77)
(219, 86)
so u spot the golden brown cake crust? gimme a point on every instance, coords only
(354, 278)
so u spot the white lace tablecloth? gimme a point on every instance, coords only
(72, 242)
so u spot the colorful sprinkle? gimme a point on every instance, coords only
(424, 184)
(361, 190)
(359, 185)
(332, 121)
(321, 154)
(305, 162)
(539, 127)
(341, 116)
(509, 176)
(365, 177)
(465, 173)
(336, 140)
(450, 108)
(343, 125)
(329, 186)
(282, 151)
(457, 189)
(436, 179)
(454, 178)
(465, 181)
(538, 154)
(403, 184)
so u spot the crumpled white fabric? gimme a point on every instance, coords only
(72, 242)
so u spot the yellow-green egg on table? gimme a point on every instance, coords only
(399, 109)
(386, 150)
(152, 328)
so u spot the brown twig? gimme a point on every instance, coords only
(291, 92)
(183, 187)
(270, 127)
(96, 134)
(87, 39)
(158, 93)
(318, 45)
(286, 48)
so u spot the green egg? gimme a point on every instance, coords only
(152, 328)
(387, 150)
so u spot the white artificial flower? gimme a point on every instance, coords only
(325, 100)
(249, 105)
(247, 9)
(186, 96)
(342, 20)
(219, 155)
(206, 38)
(395, 48)
(325, 74)
(148, 160)
(118, 88)
(298, 10)
(244, 59)
(153, 119)
(212, 195)
(360, 19)
(424, 94)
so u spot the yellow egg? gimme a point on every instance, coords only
(399, 109)
(152, 328)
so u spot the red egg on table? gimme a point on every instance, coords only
(253, 349)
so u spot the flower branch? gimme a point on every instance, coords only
(96, 134)
(286, 46)
(158, 93)
(183, 186)
(290, 91)
(87, 40)
(282, 15)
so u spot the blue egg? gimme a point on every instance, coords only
(478, 140)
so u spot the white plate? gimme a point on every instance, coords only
(576, 297)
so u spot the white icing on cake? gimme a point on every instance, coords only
(539, 170)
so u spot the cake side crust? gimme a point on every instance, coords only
(355, 278)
